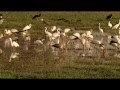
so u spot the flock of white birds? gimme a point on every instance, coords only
(56, 39)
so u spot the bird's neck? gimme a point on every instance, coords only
(99, 26)
(11, 41)
(45, 29)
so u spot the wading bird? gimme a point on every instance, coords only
(116, 26)
(110, 24)
(13, 56)
(53, 28)
(36, 16)
(100, 30)
(8, 43)
(27, 27)
(114, 41)
(109, 16)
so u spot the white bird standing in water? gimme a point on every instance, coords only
(14, 43)
(56, 33)
(114, 42)
(10, 43)
(110, 24)
(116, 26)
(48, 33)
(27, 27)
(100, 30)
(13, 56)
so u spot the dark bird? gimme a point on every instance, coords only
(62, 19)
(109, 16)
(57, 46)
(36, 16)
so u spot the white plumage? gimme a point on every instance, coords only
(90, 37)
(38, 42)
(15, 44)
(1, 21)
(53, 28)
(48, 33)
(76, 35)
(13, 56)
(72, 37)
(14, 30)
(56, 41)
(7, 43)
(27, 38)
(42, 19)
(7, 32)
(113, 41)
(27, 27)
(56, 34)
(110, 24)
(83, 41)
(100, 30)
(116, 26)
(114, 38)
(66, 30)
(88, 32)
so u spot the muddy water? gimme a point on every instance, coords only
(32, 58)
(40, 53)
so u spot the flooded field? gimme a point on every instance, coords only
(26, 58)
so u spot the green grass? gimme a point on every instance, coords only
(44, 65)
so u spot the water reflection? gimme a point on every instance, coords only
(43, 53)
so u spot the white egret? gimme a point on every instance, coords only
(110, 24)
(27, 27)
(100, 30)
(48, 33)
(66, 30)
(114, 41)
(13, 56)
(10, 43)
(116, 26)
(53, 28)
